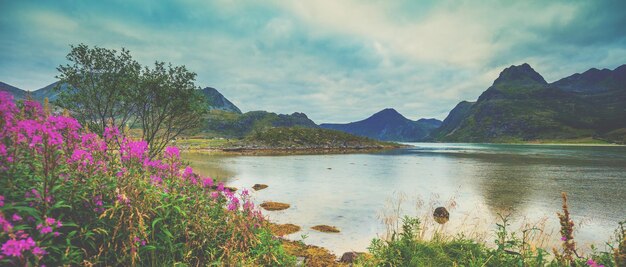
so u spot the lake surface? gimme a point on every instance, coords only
(352, 191)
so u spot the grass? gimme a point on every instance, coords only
(418, 241)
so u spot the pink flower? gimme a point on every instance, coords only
(207, 182)
(563, 238)
(56, 234)
(215, 195)
(134, 150)
(111, 132)
(6, 226)
(187, 172)
(12, 248)
(172, 152)
(220, 187)
(16, 217)
(1, 200)
(45, 230)
(50, 221)
(37, 251)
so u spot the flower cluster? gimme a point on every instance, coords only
(592, 263)
(63, 167)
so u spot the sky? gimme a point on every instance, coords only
(336, 61)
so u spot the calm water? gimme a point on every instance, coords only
(351, 191)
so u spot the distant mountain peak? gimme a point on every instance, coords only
(387, 112)
(593, 81)
(217, 101)
(388, 124)
(521, 74)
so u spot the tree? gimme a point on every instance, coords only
(100, 85)
(168, 104)
(106, 88)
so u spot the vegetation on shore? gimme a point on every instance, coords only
(406, 245)
(286, 139)
(70, 197)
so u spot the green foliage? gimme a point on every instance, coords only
(69, 197)
(405, 248)
(101, 84)
(233, 125)
(109, 88)
(168, 104)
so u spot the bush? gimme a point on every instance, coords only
(71, 197)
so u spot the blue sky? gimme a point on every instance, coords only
(336, 61)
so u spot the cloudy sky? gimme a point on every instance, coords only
(337, 61)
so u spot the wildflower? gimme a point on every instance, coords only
(134, 150)
(45, 230)
(187, 172)
(110, 133)
(50, 221)
(592, 263)
(6, 226)
(12, 248)
(172, 152)
(16, 217)
(215, 195)
(207, 182)
(1, 200)
(220, 187)
(563, 238)
(37, 251)
(56, 234)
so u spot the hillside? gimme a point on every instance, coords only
(217, 101)
(522, 106)
(388, 125)
(310, 138)
(17, 93)
(233, 125)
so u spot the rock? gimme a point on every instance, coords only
(284, 229)
(258, 187)
(441, 215)
(271, 206)
(349, 257)
(325, 228)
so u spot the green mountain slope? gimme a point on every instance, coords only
(233, 125)
(521, 106)
(217, 101)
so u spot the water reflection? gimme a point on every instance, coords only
(349, 191)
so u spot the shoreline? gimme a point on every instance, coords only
(247, 151)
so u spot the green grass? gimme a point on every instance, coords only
(316, 138)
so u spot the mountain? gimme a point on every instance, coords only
(218, 102)
(453, 120)
(39, 94)
(49, 92)
(234, 125)
(16, 92)
(521, 106)
(593, 81)
(388, 125)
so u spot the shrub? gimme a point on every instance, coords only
(71, 197)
